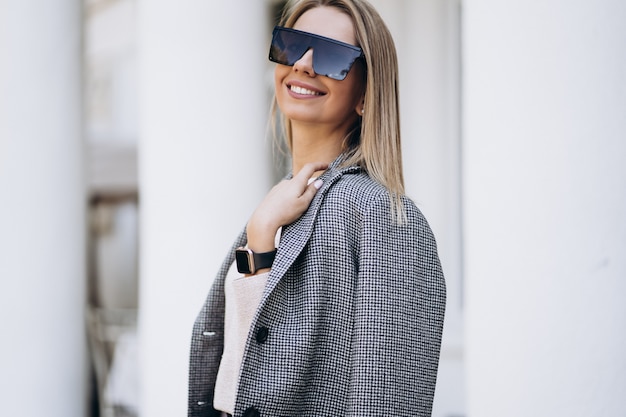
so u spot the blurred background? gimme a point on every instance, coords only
(134, 144)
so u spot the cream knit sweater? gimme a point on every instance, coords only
(243, 295)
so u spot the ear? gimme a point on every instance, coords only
(360, 107)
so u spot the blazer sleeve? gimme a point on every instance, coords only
(399, 310)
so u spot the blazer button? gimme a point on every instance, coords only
(251, 412)
(261, 335)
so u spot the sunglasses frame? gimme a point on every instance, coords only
(323, 39)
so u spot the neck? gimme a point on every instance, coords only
(314, 143)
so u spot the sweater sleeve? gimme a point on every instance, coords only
(398, 315)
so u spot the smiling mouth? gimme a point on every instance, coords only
(304, 91)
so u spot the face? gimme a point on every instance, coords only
(306, 97)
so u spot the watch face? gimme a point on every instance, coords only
(243, 261)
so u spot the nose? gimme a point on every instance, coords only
(305, 64)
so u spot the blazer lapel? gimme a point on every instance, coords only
(295, 236)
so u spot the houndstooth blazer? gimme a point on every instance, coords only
(351, 318)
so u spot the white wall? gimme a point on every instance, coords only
(203, 116)
(42, 211)
(545, 230)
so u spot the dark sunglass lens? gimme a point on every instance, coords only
(331, 60)
(287, 47)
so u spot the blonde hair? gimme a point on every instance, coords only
(374, 142)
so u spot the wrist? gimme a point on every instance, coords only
(261, 237)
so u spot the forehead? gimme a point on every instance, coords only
(329, 22)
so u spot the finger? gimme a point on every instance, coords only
(311, 190)
(309, 169)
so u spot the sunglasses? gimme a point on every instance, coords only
(330, 57)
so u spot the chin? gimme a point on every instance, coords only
(306, 115)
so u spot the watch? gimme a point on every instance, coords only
(248, 262)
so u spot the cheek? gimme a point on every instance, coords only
(280, 72)
(352, 92)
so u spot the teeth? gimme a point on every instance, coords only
(304, 91)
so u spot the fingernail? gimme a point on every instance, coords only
(317, 184)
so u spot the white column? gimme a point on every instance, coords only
(545, 200)
(42, 211)
(203, 168)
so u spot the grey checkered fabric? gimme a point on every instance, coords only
(351, 319)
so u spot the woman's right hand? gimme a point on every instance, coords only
(284, 204)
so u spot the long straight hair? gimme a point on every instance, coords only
(374, 142)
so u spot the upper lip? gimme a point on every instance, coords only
(304, 85)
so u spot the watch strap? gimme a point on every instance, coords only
(264, 259)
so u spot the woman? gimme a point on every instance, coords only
(337, 309)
